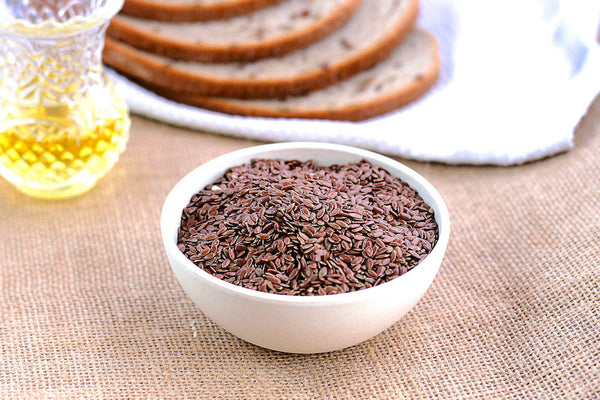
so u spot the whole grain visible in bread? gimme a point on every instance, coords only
(272, 31)
(371, 35)
(409, 72)
(192, 10)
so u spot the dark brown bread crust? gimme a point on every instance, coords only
(185, 12)
(202, 52)
(354, 112)
(138, 66)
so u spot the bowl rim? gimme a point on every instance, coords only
(229, 159)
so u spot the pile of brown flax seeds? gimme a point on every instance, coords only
(295, 228)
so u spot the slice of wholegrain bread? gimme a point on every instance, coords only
(273, 31)
(372, 33)
(407, 74)
(192, 10)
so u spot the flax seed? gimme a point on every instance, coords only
(295, 228)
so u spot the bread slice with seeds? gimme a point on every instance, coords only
(192, 10)
(407, 74)
(372, 33)
(270, 32)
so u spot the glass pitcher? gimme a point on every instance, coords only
(62, 125)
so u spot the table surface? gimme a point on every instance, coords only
(90, 308)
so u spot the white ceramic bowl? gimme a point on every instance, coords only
(301, 324)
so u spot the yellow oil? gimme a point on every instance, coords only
(62, 151)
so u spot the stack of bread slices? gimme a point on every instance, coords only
(318, 59)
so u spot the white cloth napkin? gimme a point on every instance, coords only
(516, 78)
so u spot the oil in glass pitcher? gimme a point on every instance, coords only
(62, 125)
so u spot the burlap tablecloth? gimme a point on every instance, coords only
(90, 308)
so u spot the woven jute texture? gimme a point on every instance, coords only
(90, 308)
